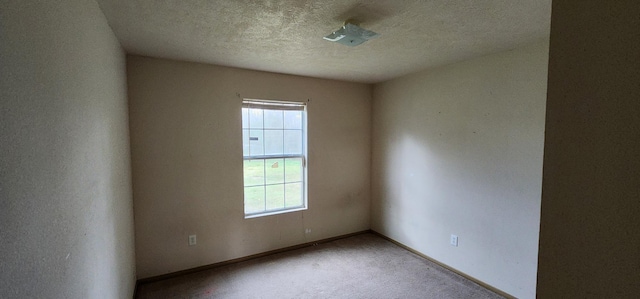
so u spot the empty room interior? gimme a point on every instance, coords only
(497, 139)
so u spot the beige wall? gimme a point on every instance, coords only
(66, 218)
(590, 219)
(187, 162)
(458, 150)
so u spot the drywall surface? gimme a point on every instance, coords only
(187, 162)
(66, 217)
(458, 150)
(281, 36)
(590, 224)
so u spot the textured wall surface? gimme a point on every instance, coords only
(458, 150)
(66, 219)
(590, 224)
(187, 162)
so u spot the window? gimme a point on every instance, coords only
(274, 151)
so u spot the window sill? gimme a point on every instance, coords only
(274, 213)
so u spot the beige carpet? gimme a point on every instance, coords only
(362, 266)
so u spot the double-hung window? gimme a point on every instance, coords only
(274, 151)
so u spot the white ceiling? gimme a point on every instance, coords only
(285, 36)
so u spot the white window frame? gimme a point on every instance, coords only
(280, 106)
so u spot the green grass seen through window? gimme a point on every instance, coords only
(272, 184)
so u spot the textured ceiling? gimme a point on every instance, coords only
(285, 36)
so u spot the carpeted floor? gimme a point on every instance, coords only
(362, 266)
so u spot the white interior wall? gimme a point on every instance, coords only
(65, 205)
(81, 153)
(66, 218)
(458, 150)
(187, 162)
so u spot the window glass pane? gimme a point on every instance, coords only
(273, 142)
(253, 172)
(245, 118)
(254, 199)
(273, 119)
(255, 118)
(274, 168)
(293, 170)
(245, 142)
(293, 120)
(256, 145)
(275, 197)
(293, 142)
(293, 195)
(276, 184)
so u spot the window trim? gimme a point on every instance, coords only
(280, 106)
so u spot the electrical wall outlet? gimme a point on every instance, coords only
(454, 240)
(307, 231)
(192, 240)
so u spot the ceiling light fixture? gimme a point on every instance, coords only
(351, 34)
